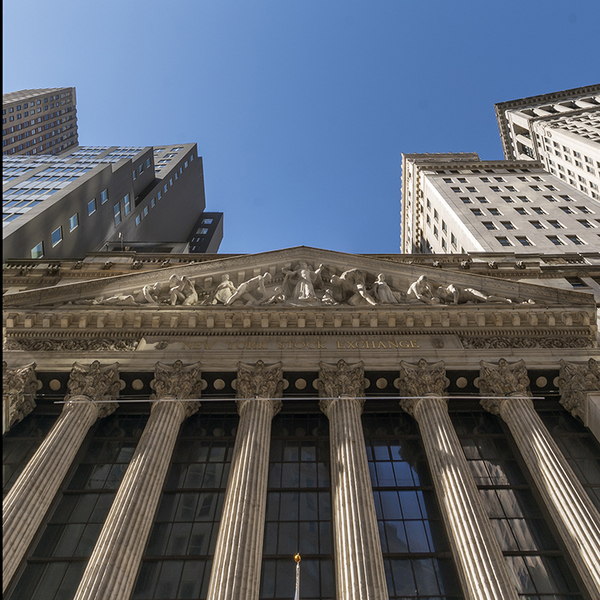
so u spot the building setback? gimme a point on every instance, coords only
(39, 121)
(181, 428)
(561, 130)
(96, 198)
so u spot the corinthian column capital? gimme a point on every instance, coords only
(503, 379)
(574, 383)
(96, 382)
(18, 389)
(260, 380)
(421, 380)
(177, 381)
(341, 379)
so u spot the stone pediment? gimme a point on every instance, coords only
(299, 277)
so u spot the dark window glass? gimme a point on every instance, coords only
(531, 551)
(298, 517)
(578, 446)
(178, 558)
(415, 548)
(56, 564)
(21, 442)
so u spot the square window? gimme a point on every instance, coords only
(522, 211)
(165, 188)
(38, 251)
(73, 222)
(508, 225)
(91, 206)
(586, 223)
(483, 200)
(489, 225)
(171, 181)
(153, 203)
(202, 231)
(138, 220)
(117, 212)
(435, 215)
(471, 189)
(147, 163)
(494, 211)
(555, 240)
(503, 241)
(537, 224)
(103, 196)
(585, 210)
(56, 236)
(444, 228)
(494, 188)
(477, 212)
(134, 175)
(575, 239)
(556, 224)
(524, 241)
(206, 221)
(141, 169)
(145, 211)
(127, 204)
(159, 195)
(466, 200)
(567, 210)
(508, 199)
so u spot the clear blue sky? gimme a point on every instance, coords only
(301, 108)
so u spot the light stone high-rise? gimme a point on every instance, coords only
(561, 130)
(454, 203)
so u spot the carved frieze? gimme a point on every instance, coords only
(574, 383)
(422, 379)
(55, 345)
(18, 389)
(500, 342)
(179, 381)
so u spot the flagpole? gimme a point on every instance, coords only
(297, 559)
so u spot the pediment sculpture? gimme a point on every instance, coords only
(301, 286)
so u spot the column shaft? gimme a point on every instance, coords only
(26, 504)
(571, 509)
(238, 554)
(113, 566)
(479, 560)
(359, 561)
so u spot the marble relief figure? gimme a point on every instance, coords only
(302, 285)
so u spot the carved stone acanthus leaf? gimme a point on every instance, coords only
(422, 380)
(260, 380)
(341, 379)
(18, 388)
(503, 379)
(52, 345)
(96, 382)
(500, 342)
(177, 381)
(574, 383)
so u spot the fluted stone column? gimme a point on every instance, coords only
(28, 500)
(238, 555)
(112, 569)
(480, 564)
(18, 394)
(571, 509)
(358, 556)
(578, 384)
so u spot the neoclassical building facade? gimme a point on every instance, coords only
(183, 430)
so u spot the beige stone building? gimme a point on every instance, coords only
(414, 426)
(456, 202)
(561, 130)
(42, 121)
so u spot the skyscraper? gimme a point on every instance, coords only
(39, 121)
(94, 198)
(456, 203)
(561, 130)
